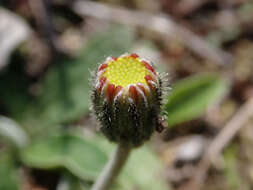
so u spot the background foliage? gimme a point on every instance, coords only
(48, 138)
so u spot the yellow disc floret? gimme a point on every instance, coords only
(126, 70)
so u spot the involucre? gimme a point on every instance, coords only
(127, 98)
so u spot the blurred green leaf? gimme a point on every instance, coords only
(79, 156)
(191, 96)
(65, 90)
(14, 86)
(11, 130)
(86, 158)
(8, 173)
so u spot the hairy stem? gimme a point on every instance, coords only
(112, 168)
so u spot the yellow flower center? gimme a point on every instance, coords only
(125, 71)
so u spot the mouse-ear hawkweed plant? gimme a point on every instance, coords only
(126, 99)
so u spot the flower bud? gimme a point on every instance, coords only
(126, 99)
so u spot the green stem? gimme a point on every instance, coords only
(112, 168)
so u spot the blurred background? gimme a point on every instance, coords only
(50, 141)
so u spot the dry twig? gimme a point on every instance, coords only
(162, 24)
(219, 143)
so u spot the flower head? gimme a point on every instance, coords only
(127, 98)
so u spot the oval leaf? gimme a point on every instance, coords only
(85, 159)
(74, 153)
(191, 96)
